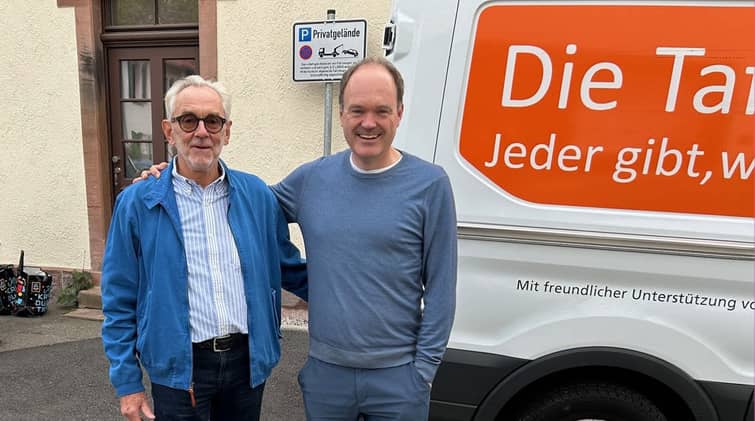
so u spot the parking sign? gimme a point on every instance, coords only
(322, 51)
(305, 34)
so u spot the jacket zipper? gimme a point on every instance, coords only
(191, 351)
(177, 227)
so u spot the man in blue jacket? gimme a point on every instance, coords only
(192, 275)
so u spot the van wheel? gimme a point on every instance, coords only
(591, 401)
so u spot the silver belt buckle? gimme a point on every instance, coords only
(215, 343)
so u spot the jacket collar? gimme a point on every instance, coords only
(162, 187)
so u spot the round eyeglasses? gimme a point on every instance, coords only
(189, 122)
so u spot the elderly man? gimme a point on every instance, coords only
(192, 274)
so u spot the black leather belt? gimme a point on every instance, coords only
(223, 343)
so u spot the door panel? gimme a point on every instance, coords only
(139, 78)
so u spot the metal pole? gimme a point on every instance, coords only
(328, 127)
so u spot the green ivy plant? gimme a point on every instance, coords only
(69, 295)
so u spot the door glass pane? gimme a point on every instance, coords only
(136, 120)
(132, 12)
(178, 11)
(176, 69)
(135, 79)
(138, 157)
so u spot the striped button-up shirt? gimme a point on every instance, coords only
(216, 285)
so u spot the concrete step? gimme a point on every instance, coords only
(87, 314)
(90, 298)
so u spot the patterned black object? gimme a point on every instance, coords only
(32, 291)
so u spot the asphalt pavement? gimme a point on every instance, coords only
(53, 368)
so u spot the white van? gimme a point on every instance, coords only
(601, 155)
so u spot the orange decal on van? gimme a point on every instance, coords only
(617, 106)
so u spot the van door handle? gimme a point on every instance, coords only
(402, 35)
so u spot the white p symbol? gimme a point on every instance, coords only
(305, 34)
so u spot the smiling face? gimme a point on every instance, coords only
(370, 116)
(198, 151)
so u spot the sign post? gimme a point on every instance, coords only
(322, 53)
(328, 115)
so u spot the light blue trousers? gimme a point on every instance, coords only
(336, 393)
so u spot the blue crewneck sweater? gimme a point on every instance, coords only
(377, 245)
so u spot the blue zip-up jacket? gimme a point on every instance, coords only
(145, 281)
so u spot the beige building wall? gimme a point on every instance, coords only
(277, 123)
(42, 188)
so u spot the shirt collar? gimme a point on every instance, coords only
(219, 184)
(377, 170)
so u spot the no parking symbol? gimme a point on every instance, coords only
(305, 52)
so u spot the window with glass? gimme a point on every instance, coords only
(153, 12)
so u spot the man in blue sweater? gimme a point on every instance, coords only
(379, 228)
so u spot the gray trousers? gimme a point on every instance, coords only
(336, 393)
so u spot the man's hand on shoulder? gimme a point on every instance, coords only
(154, 170)
(134, 405)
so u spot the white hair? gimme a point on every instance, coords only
(196, 80)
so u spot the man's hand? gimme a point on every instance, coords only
(135, 404)
(154, 170)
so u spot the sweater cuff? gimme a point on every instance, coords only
(426, 370)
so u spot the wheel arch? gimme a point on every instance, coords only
(681, 384)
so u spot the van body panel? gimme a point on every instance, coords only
(524, 314)
(431, 32)
(492, 204)
(554, 259)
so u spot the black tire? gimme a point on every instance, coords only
(590, 401)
